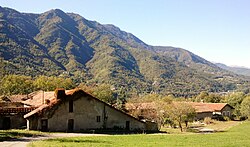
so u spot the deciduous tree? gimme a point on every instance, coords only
(180, 112)
(51, 83)
(16, 84)
(104, 93)
(245, 107)
(235, 100)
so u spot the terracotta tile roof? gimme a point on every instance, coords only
(33, 100)
(199, 107)
(38, 98)
(36, 110)
(17, 98)
(42, 107)
(208, 107)
(21, 98)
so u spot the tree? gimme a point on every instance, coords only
(104, 93)
(16, 84)
(51, 83)
(201, 96)
(86, 88)
(151, 107)
(151, 97)
(180, 112)
(212, 98)
(235, 100)
(121, 94)
(245, 107)
(168, 99)
(2, 71)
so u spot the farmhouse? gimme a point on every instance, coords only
(76, 110)
(211, 109)
(148, 110)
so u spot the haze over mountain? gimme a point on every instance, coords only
(235, 69)
(66, 44)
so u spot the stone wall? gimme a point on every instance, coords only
(226, 111)
(12, 121)
(202, 115)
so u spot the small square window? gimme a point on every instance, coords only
(98, 118)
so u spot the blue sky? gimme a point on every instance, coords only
(217, 30)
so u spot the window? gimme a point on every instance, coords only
(71, 106)
(98, 118)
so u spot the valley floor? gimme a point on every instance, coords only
(230, 134)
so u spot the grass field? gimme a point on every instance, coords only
(14, 134)
(236, 136)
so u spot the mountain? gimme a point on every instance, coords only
(66, 44)
(237, 70)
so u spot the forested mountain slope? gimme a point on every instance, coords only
(66, 44)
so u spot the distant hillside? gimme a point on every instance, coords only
(238, 70)
(66, 44)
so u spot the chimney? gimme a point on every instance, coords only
(60, 93)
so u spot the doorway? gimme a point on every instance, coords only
(44, 125)
(70, 125)
(6, 123)
(127, 125)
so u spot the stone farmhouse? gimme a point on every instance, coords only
(148, 110)
(212, 109)
(72, 111)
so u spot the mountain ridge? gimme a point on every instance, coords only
(67, 44)
(235, 69)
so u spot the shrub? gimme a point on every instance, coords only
(208, 120)
(226, 118)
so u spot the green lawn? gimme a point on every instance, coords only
(236, 136)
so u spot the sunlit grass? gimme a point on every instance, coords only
(236, 136)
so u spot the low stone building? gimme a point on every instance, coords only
(12, 118)
(204, 110)
(76, 110)
(12, 110)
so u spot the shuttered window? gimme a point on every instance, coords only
(98, 118)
